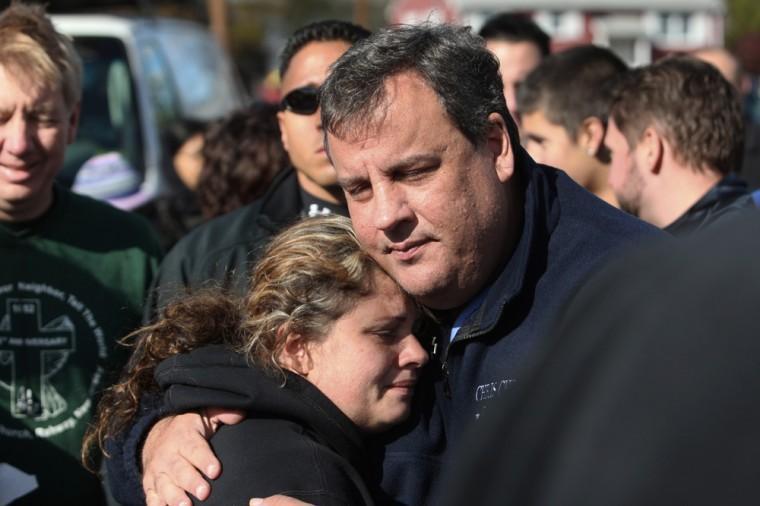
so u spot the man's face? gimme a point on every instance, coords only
(625, 178)
(35, 127)
(550, 144)
(302, 133)
(429, 206)
(516, 60)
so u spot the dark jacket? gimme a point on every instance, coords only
(726, 199)
(222, 251)
(567, 234)
(645, 396)
(295, 441)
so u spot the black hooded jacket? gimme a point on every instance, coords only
(295, 441)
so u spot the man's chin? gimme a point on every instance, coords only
(629, 207)
(424, 289)
(15, 194)
(23, 195)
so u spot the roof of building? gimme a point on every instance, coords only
(601, 5)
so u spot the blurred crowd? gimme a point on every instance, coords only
(545, 292)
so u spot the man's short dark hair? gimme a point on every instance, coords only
(320, 31)
(572, 85)
(515, 28)
(690, 104)
(450, 59)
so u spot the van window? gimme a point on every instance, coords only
(204, 77)
(109, 120)
(161, 85)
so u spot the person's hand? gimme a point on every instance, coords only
(277, 500)
(175, 453)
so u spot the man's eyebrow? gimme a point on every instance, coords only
(411, 161)
(348, 182)
(398, 166)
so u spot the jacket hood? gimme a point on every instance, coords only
(217, 376)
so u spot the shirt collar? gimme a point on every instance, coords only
(539, 219)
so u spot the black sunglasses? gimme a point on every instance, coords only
(303, 100)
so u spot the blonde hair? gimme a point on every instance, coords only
(310, 275)
(31, 47)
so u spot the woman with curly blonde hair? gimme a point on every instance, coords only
(320, 353)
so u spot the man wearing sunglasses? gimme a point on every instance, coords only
(223, 249)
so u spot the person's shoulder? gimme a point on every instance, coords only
(227, 230)
(586, 232)
(248, 223)
(266, 456)
(280, 436)
(591, 218)
(220, 251)
(98, 211)
(221, 243)
(105, 223)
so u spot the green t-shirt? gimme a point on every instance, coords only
(71, 284)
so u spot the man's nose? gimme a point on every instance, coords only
(391, 207)
(17, 136)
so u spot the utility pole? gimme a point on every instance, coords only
(217, 15)
(361, 12)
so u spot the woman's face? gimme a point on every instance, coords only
(369, 362)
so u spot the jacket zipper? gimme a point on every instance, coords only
(445, 357)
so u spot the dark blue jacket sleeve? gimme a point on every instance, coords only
(123, 461)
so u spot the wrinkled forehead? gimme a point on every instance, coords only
(33, 85)
(381, 113)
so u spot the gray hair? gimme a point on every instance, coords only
(452, 60)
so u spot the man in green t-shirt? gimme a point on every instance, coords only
(74, 276)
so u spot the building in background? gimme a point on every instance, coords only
(410, 12)
(639, 31)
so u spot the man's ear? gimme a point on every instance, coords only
(649, 150)
(498, 144)
(73, 120)
(295, 355)
(590, 135)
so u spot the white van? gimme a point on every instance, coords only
(143, 78)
